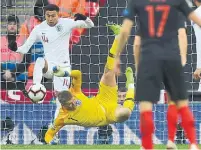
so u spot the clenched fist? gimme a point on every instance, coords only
(197, 74)
(79, 17)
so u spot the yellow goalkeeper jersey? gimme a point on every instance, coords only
(88, 112)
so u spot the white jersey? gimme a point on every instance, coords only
(55, 39)
(197, 30)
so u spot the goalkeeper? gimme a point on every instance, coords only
(103, 109)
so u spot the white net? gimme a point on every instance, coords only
(89, 55)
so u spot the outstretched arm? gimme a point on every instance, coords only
(29, 42)
(51, 132)
(82, 21)
(123, 36)
(137, 46)
(136, 51)
(127, 25)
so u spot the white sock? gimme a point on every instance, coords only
(38, 70)
(199, 88)
(116, 36)
(131, 86)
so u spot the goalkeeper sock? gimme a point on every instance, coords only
(111, 58)
(38, 70)
(129, 78)
(172, 118)
(113, 49)
(147, 129)
(188, 123)
(129, 101)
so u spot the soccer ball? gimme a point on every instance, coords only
(37, 93)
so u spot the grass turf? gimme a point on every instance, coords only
(83, 147)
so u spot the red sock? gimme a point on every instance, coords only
(147, 129)
(172, 117)
(188, 124)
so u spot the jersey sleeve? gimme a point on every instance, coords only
(185, 8)
(181, 21)
(29, 42)
(138, 31)
(130, 11)
(77, 80)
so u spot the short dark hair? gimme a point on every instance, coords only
(64, 96)
(51, 7)
(13, 18)
(122, 89)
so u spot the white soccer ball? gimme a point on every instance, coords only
(37, 93)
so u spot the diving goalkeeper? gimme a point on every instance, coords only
(103, 109)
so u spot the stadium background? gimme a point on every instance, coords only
(89, 55)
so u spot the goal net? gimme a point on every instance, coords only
(88, 54)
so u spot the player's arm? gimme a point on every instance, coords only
(137, 47)
(29, 42)
(188, 12)
(182, 37)
(197, 73)
(52, 131)
(136, 50)
(77, 80)
(127, 25)
(82, 21)
(192, 16)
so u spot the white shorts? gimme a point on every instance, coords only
(60, 83)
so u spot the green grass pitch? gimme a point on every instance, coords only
(83, 147)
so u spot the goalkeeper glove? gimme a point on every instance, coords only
(60, 72)
(12, 45)
(79, 17)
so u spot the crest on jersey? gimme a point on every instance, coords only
(126, 12)
(78, 103)
(59, 28)
(44, 38)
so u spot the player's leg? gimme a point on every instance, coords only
(123, 113)
(172, 119)
(60, 84)
(187, 120)
(148, 85)
(40, 67)
(112, 67)
(174, 77)
(109, 75)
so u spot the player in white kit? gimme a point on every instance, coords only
(54, 33)
(197, 29)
